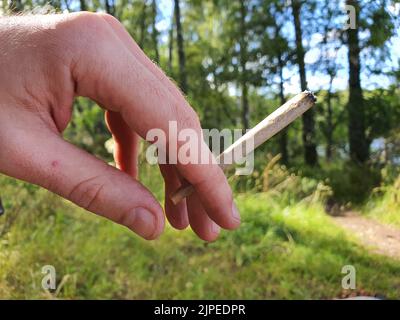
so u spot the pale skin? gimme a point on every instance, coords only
(45, 62)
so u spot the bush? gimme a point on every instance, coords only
(276, 180)
(385, 203)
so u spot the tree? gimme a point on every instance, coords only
(241, 64)
(373, 19)
(142, 25)
(154, 31)
(83, 5)
(310, 148)
(110, 7)
(181, 51)
(276, 49)
(171, 47)
(283, 145)
(359, 149)
(209, 47)
(16, 6)
(328, 65)
(269, 19)
(243, 60)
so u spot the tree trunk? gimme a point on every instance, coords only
(155, 32)
(142, 25)
(15, 6)
(359, 148)
(310, 149)
(171, 49)
(245, 107)
(56, 4)
(283, 134)
(181, 51)
(243, 60)
(329, 124)
(83, 5)
(1, 208)
(110, 7)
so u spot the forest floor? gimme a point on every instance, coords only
(379, 238)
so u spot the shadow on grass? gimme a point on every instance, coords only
(279, 252)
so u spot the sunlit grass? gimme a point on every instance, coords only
(386, 207)
(280, 251)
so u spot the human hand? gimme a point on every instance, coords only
(46, 61)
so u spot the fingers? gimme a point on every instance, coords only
(126, 143)
(200, 222)
(46, 159)
(210, 204)
(125, 155)
(216, 197)
(147, 99)
(177, 214)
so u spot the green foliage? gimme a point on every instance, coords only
(383, 112)
(87, 129)
(275, 179)
(384, 204)
(351, 184)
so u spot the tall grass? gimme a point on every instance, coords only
(385, 203)
(287, 247)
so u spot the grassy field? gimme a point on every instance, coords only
(280, 251)
(385, 206)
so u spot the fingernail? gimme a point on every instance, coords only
(215, 228)
(235, 212)
(145, 223)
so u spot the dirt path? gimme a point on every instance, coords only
(381, 239)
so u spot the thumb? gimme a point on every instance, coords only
(49, 161)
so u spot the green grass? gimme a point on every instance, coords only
(385, 207)
(384, 211)
(279, 252)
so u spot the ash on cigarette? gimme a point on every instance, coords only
(311, 95)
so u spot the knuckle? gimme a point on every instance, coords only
(85, 28)
(127, 218)
(109, 18)
(91, 38)
(88, 193)
(88, 20)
